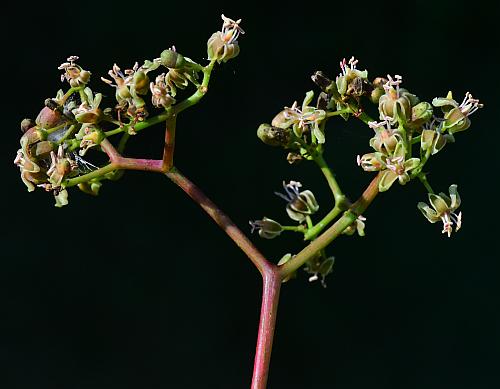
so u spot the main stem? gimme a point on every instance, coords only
(270, 275)
(267, 324)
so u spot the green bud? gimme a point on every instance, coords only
(375, 95)
(141, 83)
(172, 59)
(274, 136)
(421, 114)
(91, 187)
(284, 260)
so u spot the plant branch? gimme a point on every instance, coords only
(327, 172)
(333, 232)
(318, 227)
(168, 149)
(222, 220)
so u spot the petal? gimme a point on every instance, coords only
(444, 102)
(399, 151)
(455, 197)
(428, 212)
(61, 198)
(308, 197)
(388, 178)
(411, 163)
(294, 215)
(318, 134)
(438, 203)
(307, 99)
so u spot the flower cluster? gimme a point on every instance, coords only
(76, 121)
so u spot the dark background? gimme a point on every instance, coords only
(137, 288)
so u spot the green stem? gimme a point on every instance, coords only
(123, 142)
(294, 228)
(94, 174)
(320, 226)
(333, 232)
(339, 112)
(202, 90)
(423, 179)
(141, 125)
(67, 134)
(416, 139)
(332, 182)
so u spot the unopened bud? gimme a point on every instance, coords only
(26, 124)
(172, 59)
(274, 136)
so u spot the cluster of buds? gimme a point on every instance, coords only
(43, 162)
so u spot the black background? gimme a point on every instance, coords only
(137, 288)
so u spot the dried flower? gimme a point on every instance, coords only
(300, 204)
(266, 227)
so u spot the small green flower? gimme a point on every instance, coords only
(385, 139)
(397, 168)
(372, 162)
(396, 102)
(74, 73)
(223, 45)
(300, 204)
(432, 139)
(305, 120)
(456, 116)
(89, 111)
(266, 227)
(443, 209)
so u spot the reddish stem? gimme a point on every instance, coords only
(168, 149)
(267, 324)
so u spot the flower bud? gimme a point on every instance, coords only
(48, 118)
(274, 136)
(90, 187)
(141, 82)
(172, 59)
(421, 114)
(42, 149)
(26, 124)
(375, 95)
